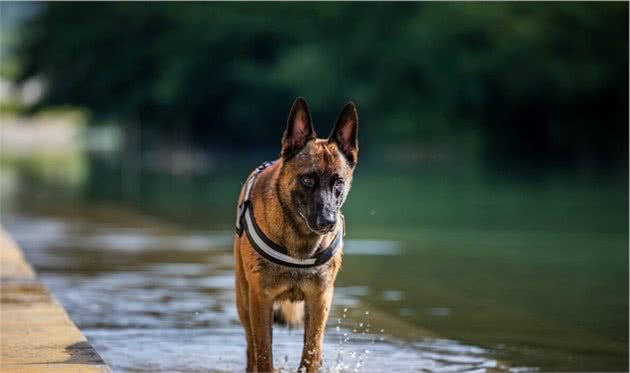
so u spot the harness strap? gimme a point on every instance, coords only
(268, 249)
(248, 193)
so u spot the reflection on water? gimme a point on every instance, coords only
(371, 247)
(460, 271)
(156, 299)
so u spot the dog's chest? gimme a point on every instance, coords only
(291, 283)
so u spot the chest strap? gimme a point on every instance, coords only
(245, 221)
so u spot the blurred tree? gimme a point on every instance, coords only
(531, 82)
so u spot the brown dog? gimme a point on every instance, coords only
(290, 234)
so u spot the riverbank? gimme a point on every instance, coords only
(36, 333)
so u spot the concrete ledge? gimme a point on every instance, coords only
(12, 262)
(36, 334)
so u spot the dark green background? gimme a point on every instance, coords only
(508, 83)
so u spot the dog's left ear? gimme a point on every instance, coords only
(299, 129)
(345, 133)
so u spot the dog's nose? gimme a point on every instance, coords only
(326, 222)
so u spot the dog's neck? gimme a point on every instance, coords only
(280, 223)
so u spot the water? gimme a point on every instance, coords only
(154, 298)
(442, 272)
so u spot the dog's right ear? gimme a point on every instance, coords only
(345, 133)
(299, 129)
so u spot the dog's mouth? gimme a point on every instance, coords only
(316, 231)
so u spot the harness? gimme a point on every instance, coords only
(271, 251)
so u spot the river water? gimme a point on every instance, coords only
(438, 276)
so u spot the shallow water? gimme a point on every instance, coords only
(461, 270)
(154, 298)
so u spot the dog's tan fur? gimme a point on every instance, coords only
(261, 284)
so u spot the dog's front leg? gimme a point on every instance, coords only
(317, 304)
(260, 313)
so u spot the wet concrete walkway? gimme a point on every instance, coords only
(36, 334)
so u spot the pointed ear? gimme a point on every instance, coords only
(345, 133)
(299, 129)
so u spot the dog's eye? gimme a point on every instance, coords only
(307, 181)
(338, 187)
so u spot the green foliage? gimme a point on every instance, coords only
(532, 82)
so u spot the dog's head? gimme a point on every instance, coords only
(316, 173)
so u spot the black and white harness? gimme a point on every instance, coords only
(245, 221)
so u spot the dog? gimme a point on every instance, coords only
(290, 232)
